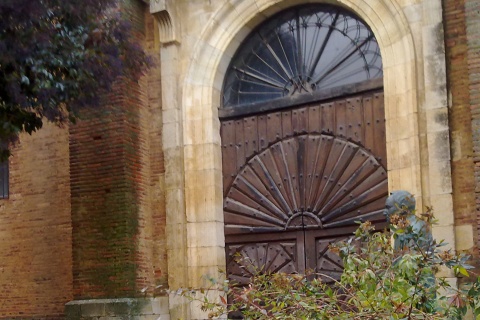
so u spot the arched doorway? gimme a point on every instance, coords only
(303, 140)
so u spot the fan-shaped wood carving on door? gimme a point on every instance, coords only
(306, 181)
(297, 180)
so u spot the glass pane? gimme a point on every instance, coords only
(301, 50)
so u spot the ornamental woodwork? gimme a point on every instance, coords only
(297, 180)
(303, 142)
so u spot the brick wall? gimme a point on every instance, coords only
(112, 164)
(472, 9)
(116, 179)
(35, 229)
(460, 116)
(152, 119)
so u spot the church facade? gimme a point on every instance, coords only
(265, 128)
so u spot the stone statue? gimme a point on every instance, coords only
(400, 211)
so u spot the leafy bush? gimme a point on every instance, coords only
(379, 281)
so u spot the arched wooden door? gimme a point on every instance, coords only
(303, 159)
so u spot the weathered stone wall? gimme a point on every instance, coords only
(410, 35)
(35, 229)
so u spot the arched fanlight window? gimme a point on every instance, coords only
(302, 50)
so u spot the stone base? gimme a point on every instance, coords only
(118, 309)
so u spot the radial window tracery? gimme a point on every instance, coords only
(306, 49)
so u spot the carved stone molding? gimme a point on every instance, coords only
(163, 11)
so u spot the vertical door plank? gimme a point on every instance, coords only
(274, 127)
(369, 128)
(300, 121)
(380, 150)
(354, 120)
(314, 123)
(239, 143)
(287, 130)
(315, 147)
(327, 117)
(262, 132)
(228, 153)
(290, 153)
(340, 118)
(251, 136)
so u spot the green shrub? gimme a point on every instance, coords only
(379, 281)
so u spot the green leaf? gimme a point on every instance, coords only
(461, 270)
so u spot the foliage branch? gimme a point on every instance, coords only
(57, 57)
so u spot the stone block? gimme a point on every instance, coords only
(204, 204)
(73, 311)
(437, 119)
(439, 145)
(206, 256)
(442, 205)
(445, 233)
(198, 276)
(171, 135)
(93, 309)
(160, 306)
(176, 236)
(464, 237)
(205, 234)
(413, 11)
(117, 307)
(440, 177)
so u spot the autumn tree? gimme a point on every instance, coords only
(57, 57)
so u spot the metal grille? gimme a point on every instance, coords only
(301, 50)
(4, 183)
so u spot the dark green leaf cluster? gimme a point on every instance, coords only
(57, 57)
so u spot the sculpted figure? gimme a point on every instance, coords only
(400, 212)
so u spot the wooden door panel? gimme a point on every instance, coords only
(287, 127)
(328, 117)
(379, 139)
(300, 120)
(281, 166)
(313, 162)
(314, 120)
(320, 260)
(354, 115)
(262, 132)
(340, 118)
(251, 136)
(274, 127)
(270, 252)
(326, 179)
(295, 180)
(271, 181)
(228, 153)
(325, 144)
(271, 188)
(239, 144)
(368, 124)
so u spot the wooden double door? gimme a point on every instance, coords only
(297, 179)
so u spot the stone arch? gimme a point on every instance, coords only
(201, 98)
